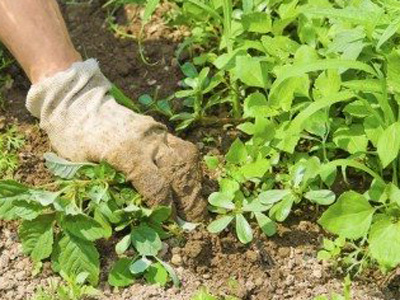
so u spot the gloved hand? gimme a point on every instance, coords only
(84, 123)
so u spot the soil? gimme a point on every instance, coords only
(281, 267)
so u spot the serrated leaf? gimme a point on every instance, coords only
(146, 240)
(37, 237)
(62, 167)
(83, 227)
(77, 256)
(120, 275)
(349, 217)
(219, 224)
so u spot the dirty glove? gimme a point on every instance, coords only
(84, 123)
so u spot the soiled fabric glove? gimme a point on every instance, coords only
(84, 123)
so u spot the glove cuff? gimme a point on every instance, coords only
(44, 96)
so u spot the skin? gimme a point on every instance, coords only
(35, 33)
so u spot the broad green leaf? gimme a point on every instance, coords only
(280, 211)
(229, 186)
(259, 22)
(266, 224)
(103, 221)
(389, 144)
(61, 167)
(157, 274)
(37, 237)
(24, 210)
(351, 138)
(393, 71)
(252, 71)
(83, 227)
(327, 84)
(280, 47)
(146, 240)
(45, 198)
(160, 214)
(237, 153)
(140, 265)
(243, 229)
(357, 109)
(255, 104)
(220, 199)
(349, 217)
(292, 134)
(123, 244)
(77, 256)
(255, 169)
(171, 272)
(285, 93)
(321, 197)
(328, 64)
(120, 275)
(373, 129)
(384, 242)
(272, 196)
(9, 188)
(254, 205)
(219, 224)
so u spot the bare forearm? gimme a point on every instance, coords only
(35, 33)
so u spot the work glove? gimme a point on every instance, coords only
(84, 123)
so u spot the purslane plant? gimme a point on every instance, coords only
(63, 220)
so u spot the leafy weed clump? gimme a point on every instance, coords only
(63, 220)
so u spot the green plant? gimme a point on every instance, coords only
(62, 220)
(314, 86)
(204, 294)
(346, 292)
(73, 289)
(10, 142)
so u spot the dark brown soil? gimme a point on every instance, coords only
(283, 267)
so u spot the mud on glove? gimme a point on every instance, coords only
(84, 123)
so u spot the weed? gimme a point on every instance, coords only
(63, 219)
(314, 87)
(73, 289)
(10, 142)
